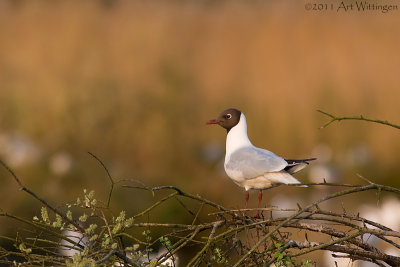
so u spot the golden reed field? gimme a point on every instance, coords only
(135, 81)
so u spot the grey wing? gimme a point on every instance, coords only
(252, 162)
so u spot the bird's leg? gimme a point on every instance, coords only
(259, 204)
(246, 201)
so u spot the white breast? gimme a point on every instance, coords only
(237, 138)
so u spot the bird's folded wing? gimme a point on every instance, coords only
(252, 162)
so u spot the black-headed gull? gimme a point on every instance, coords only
(249, 166)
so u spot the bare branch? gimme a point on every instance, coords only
(213, 234)
(352, 252)
(342, 193)
(360, 118)
(108, 175)
(30, 192)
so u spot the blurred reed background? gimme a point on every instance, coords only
(134, 83)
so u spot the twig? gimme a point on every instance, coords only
(210, 239)
(180, 244)
(30, 192)
(325, 184)
(120, 255)
(41, 228)
(198, 213)
(262, 235)
(185, 207)
(187, 195)
(155, 205)
(334, 247)
(107, 257)
(361, 117)
(253, 209)
(342, 193)
(167, 225)
(109, 177)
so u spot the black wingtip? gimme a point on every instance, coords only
(297, 161)
(295, 165)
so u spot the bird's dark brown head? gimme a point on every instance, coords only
(227, 119)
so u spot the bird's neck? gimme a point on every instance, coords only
(237, 137)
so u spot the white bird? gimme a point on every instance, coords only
(249, 166)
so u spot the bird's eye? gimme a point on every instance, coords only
(228, 116)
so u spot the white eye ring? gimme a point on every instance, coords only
(228, 116)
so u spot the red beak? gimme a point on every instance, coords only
(212, 122)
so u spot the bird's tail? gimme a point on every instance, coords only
(281, 177)
(295, 165)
